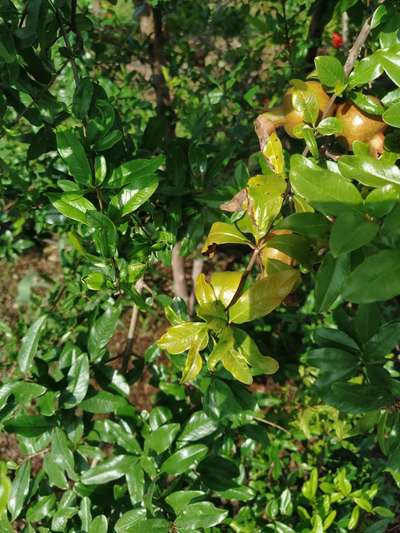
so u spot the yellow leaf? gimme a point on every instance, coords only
(263, 296)
(194, 362)
(180, 338)
(203, 290)
(273, 153)
(223, 233)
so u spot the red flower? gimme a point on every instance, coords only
(337, 40)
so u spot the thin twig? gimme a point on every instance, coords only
(244, 277)
(272, 424)
(74, 66)
(348, 66)
(131, 332)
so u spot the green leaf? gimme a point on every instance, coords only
(41, 508)
(356, 399)
(379, 14)
(218, 473)
(330, 280)
(342, 484)
(133, 196)
(108, 140)
(102, 331)
(355, 515)
(295, 246)
(325, 190)
(19, 490)
(61, 453)
(198, 426)
(286, 505)
(329, 126)
(330, 71)
(376, 279)
(309, 488)
(78, 382)
(135, 171)
(180, 499)
(7, 45)
(152, 525)
(127, 522)
(368, 104)
(236, 364)
(366, 70)
(135, 482)
(72, 205)
(334, 365)
(5, 488)
(248, 348)
(106, 402)
(109, 470)
(29, 425)
(263, 296)
(223, 233)
(265, 201)
(307, 224)
(194, 362)
(30, 345)
(200, 515)
(162, 438)
(184, 459)
(60, 518)
(369, 171)
(351, 231)
(178, 339)
(383, 342)
(73, 153)
(306, 102)
(392, 115)
(105, 234)
(389, 59)
(82, 98)
(99, 525)
(381, 201)
(224, 285)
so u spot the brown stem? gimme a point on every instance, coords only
(272, 424)
(131, 331)
(178, 273)
(243, 279)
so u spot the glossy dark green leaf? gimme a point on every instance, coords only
(197, 427)
(367, 103)
(351, 231)
(334, 365)
(218, 473)
(41, 508)
(330, 280)
(127, 522)
(102, 331)
(376, 279)
(29, 425)
(82, 98)
(327, 191)
(78, 382)
(108, 141)
(162, 438)
(134, 171)
(19, 490)
(109, 470)
(73, 153)
(335, 338)
(352, 398)
(135, 481)
(72, 205)
(61, 453)
(392, 115)
(105, 233)
(106, 402)
(329, 126)
(184, 459)
(200, 515)
(180, 499)
(383, 342)
(30, 344)
(307, 224)
(7, 45)
(99, 525)
(368, 170)
(152, 525)
(133, 196)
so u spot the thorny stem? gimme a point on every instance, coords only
(348, 66)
